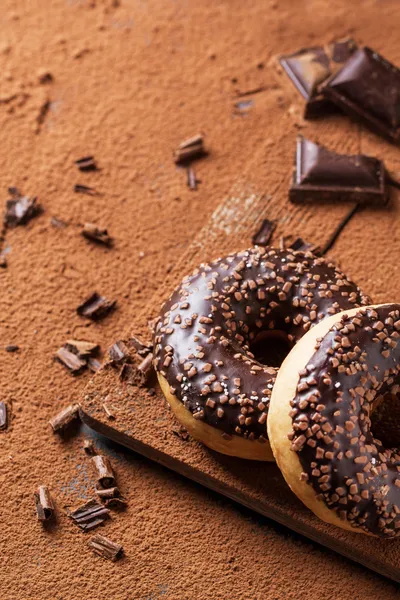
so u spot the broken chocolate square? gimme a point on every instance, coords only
(20, 209)
(323, 175)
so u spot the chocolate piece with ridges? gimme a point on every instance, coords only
(64, 418)
(190, 149)
(105, 548)
(84, 189)
(20, 209)
(82, 348)
(322, 175)
(104, 471)
(367, 88)
(44, 504)
(87, 163)
(96, 307)
(118, 353)
(90, 515)
(310, 67)
(142, 348)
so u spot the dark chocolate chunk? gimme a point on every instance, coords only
(368, 89)
(44, 504)
(89, 447)
(118, 353)
(90, 515)
(142, 348)
(190, 149)
(181, 433)
(84, 189)
(104, 472)
(20, 209)
(95, 307)
(3, 261)
(97, 234)
(138, 374)
(264, 234)
(302, 246)
(71, 361)
(310, 67)
(87, 163)
(3, 416)
(107, 493)
(66, 416)
(322, 175)
(105, 547)
(93, 364)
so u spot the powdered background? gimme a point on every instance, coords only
(131, 80)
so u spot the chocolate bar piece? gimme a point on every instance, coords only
(310, 67)
(368, 89)
(322, 175)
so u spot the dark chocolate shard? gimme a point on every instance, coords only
(190, 149)
(97, 234)
(116, 503)
(90, 515)
(70, 360)
(93, 364)
(87, 163)
(105, 548)
(309, 68)
(263, 235)
(142, 348)
(20, 209)
(96, 307)
(323, 175)
(82, 348)
(84, 189)
(3, 416)
(191, 179)
(63, 419)
(44, 504)
(367, 88)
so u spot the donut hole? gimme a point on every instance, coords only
(385, 420)
(270, 348)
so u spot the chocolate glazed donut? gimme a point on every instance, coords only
(204, 336)
(319, 422)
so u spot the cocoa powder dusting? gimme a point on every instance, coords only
(129, 82)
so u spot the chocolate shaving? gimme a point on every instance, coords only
(105, 548)
(96, 234)
(71, 361)
(56, 222)
(3, 261)
(43, 112)
(44, 504)
(90, 515)
(256, 90)
(20, 209)
(87, 163)
(300, 245)
(142, 348)
(109, 413)
(118, 353)
(339, 229)
(12, 348)
(117, 503)
(96, 307)
(190, 149)
(104, 472)
(64, 418)
(84, 189)
(191, 179)
(108, 493)
(264, 233)
(3, 416)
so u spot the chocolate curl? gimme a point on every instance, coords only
(104, 472)
(44, 504)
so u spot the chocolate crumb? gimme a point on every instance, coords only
(85, 189)
(109, 413)
(89, 447)
(3, 416)
(12, 348)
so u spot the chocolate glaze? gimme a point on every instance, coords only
(206, 328)
(354, 365)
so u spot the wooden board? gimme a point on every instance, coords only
(144, 422)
